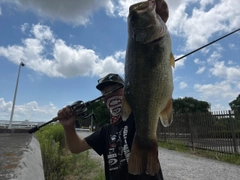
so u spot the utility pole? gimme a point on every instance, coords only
(15, 94)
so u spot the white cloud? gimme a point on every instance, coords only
(183, 85)
(197, 61)
(196, 21)
(200, 70)
(107, 65)
(66, 61)
(24, 27)
(232, 74)
(238, 86)
(214, 57)
(120, 55)
(218, 107)
(233, 46)
(42, 32)
(204, 3)
(220, 90)
(188, 18)
(205, 50)
(201, 23)
(71, 11)
(225, 79)
(218, 47)
(180, 63)
(5, 108)
(30, 111)
(123, 6)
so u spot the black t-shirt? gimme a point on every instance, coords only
(114, 143)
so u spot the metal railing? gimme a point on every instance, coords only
(214, 131)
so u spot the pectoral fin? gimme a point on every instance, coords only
(166, 116)
(172, 60)
(126, 110)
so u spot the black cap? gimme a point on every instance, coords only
(110, 79)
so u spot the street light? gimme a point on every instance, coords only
(15, 94)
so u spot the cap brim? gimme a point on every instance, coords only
(102, 85)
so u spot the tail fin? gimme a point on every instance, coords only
(144, 159)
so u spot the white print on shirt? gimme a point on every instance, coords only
(113, 137)
(111, 162)
(119, 153)
(112, 156)
(125, 147)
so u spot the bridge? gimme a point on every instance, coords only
(19, 124)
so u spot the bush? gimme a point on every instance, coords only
(52, 144)
(59, 163)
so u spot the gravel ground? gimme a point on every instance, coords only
(182, 166)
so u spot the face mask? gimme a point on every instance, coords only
(114, 105)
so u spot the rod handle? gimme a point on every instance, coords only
(55, 119)
(30, 131)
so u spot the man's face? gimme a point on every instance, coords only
(108, 89)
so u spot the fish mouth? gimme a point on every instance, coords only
(142, 7)
(156, 40)
(145, 24)
(142, 15)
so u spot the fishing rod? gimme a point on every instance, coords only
(79, 108)
(206, 45)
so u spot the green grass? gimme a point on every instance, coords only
(180, 147)
(59, 163)
(82, 167)
(177, 146)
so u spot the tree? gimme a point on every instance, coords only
(235, 104)
(101, 112)
(189, 105)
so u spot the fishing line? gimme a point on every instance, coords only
(206, 45)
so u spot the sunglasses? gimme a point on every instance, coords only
(113, 77)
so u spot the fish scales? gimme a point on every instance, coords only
(148, 83)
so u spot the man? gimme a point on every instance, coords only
(113, 140)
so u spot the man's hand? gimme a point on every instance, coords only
(66, 117)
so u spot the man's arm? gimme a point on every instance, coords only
(75, 143)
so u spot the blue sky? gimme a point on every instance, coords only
(68, 46)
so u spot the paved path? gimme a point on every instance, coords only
(12, 147)
(183, 166)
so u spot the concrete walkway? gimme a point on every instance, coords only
(20, 157)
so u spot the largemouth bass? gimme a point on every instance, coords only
(148, 81)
